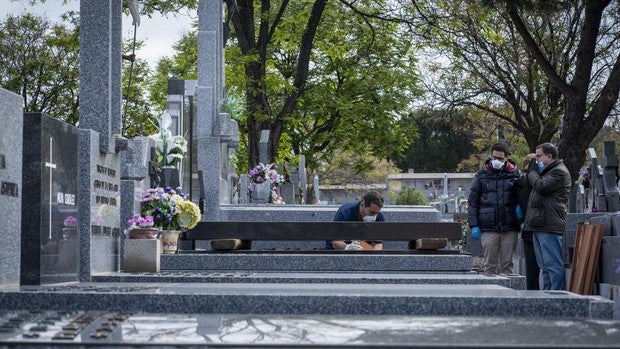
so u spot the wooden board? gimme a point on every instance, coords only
(585, 257)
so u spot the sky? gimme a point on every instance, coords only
(158, 33)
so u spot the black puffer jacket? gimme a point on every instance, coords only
(546, 208)
(493, 198)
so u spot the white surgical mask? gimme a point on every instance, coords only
(497, 164)
(370, 218)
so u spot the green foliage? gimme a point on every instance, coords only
(446, 137)
(137, 108)
(361, 83)
(39, 61)
(408, 196)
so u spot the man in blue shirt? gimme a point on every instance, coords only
(366, 210)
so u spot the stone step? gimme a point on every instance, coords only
(306, 299)
(350, 261)
(516, 282)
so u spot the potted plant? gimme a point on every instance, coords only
(171, 212)
(142, 228)
(170, 150)
(69, 231)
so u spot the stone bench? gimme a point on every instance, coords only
(307, 231)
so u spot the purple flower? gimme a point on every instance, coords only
(70, 221)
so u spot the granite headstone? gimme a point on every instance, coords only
(50, 209)
(10, 185)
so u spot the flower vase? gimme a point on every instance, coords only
(143, 233)
(169, 241)
(169, 177)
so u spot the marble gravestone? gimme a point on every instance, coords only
(10, 185)
(50, 206)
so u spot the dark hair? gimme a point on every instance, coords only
(549, 149)
(373, 197)
(503, 147)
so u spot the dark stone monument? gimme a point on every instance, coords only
(50, 206)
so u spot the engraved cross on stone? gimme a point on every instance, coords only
(52, 167)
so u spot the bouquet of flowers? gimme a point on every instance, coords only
(170, 149)
(169, 210)
(141, 222)
(262, 173)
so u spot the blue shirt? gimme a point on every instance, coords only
(349, 212)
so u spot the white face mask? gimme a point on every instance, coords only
(370, 218)
(497, 164)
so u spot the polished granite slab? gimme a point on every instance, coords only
(306, 299)
(516, 282)
(238, 260)
(103, 329)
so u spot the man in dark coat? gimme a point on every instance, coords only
(532, 271)
(492, 210)
(546, 213)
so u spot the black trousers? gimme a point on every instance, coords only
(532, 271)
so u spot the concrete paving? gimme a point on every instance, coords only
(306, 299)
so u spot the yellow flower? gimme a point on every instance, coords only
(188, 214)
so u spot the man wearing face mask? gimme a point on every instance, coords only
(492, 212)
(546, 213)
(366, 210)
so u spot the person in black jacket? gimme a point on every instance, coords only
(546, 213)
(532, 271)
(492, 210)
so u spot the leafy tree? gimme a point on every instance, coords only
(408, 196)
(488, 67)
(362, 80)
(591, 86)
(350, 97)
(138, 109)
(39, 61)
(555, 64)
(445, 138)
(352, 168)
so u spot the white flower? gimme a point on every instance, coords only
(171, 149)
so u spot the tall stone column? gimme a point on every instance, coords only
(209, 100)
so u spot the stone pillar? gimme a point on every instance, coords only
(210, 53)
(263, 145)
(100, 77)
(100, 119)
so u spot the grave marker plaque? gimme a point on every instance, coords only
(99, 191)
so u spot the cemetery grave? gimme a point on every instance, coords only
(68, 192)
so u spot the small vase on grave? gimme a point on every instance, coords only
(169, 241)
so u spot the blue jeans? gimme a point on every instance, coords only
(548, 248)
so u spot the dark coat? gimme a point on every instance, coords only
(523, 194)
(493, 198)
(547, 205)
